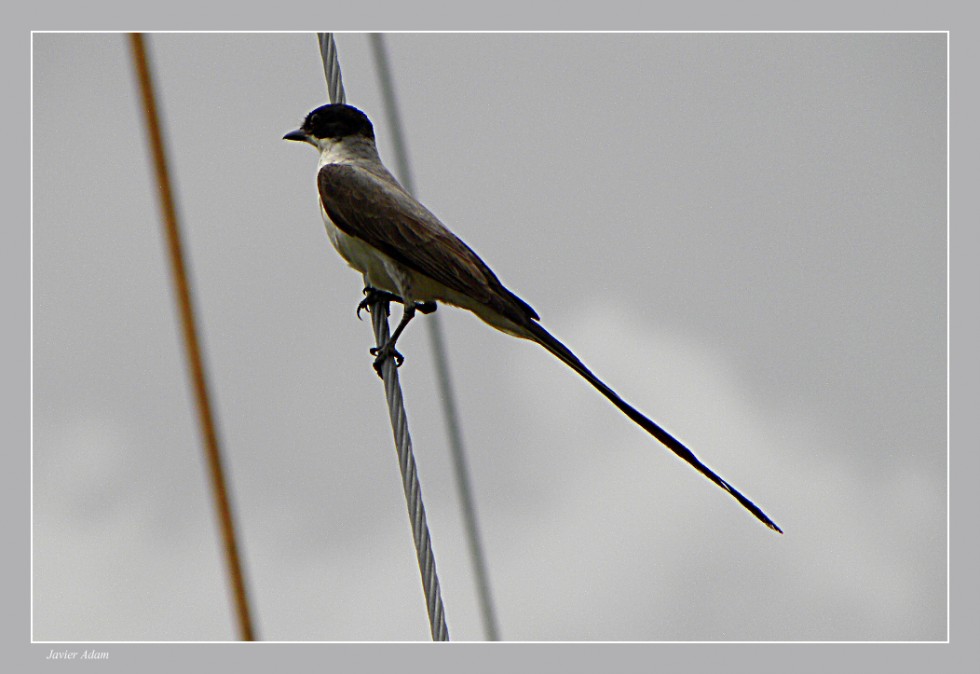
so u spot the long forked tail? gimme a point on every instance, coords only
(563, 353)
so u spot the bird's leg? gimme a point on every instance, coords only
(372, 295)
(382, 353)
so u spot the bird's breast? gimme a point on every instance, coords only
(361, 256)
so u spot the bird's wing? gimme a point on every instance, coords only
(390, 220)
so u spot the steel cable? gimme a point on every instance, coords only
(396, 409)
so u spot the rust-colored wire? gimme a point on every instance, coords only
(193, 349)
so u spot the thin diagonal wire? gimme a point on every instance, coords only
(396, 410)
(410, 481)
(222, 499)
(441, 360)
(331, 68)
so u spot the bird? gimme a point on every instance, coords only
(407, 255)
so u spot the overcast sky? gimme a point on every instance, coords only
(744, 235)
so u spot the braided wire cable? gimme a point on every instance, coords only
(331, 68)
(410, 481)
(396, 409)
(437, 343)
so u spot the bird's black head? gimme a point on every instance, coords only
(334, 121)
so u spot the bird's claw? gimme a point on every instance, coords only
(383, 353)
(373, 295)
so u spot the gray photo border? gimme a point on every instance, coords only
(963, 279)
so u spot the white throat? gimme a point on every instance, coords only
(352, 150)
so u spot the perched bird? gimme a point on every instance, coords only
(407, 255)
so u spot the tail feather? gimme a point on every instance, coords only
(564, 354)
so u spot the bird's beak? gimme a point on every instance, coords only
(298, 134)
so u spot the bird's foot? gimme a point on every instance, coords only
(373, 295)
(383, 353)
